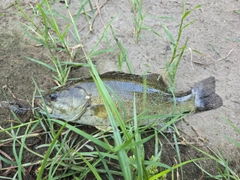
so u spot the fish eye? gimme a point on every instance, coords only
(53, 97)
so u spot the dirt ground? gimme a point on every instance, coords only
(215, 34)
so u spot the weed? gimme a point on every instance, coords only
(53, 38)
(122, 56)
(137, 6)
(177, 52)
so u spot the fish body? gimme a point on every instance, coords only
(81, 102)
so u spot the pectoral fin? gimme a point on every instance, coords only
(99, 111)
(96, 116)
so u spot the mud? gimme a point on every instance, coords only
(214, 35)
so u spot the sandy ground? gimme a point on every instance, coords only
(215, 34)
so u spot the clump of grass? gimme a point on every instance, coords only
(122, 56)
(137, 8)
(223, 166)
(18, 135)
(139, 17)
(169, 75)
(52, 37)
(177, 52)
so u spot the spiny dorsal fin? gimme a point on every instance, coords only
(153, 80)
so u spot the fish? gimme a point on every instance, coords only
(82, 103)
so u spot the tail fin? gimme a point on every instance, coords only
(205, 97)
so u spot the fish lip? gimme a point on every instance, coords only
(42, 103)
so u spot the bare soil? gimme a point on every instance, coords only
(215, 35)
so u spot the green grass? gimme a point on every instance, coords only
(137, 7)
(51, 36)
(70, 151)
(177, 51)
(122, 55)
(236, 11)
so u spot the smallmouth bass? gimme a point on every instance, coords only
(81, 102)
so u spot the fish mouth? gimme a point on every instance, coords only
(42, 104)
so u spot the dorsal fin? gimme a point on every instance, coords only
(153, 80)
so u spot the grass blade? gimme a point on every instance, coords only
(47, 154)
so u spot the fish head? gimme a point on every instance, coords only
(67, 104)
